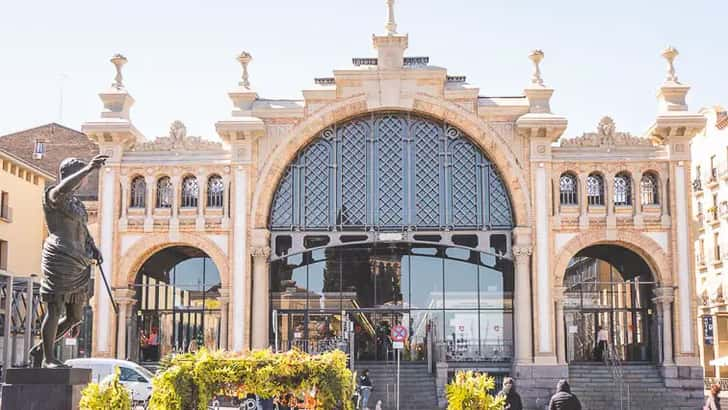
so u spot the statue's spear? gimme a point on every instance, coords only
(113, 304)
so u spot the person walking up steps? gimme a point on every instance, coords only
(365, 385)
(713, 401)
(564, 399)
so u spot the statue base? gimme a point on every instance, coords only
(43, 389)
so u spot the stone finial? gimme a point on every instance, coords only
(669, 54)
(536, 56)
(118, 61)
(244, 59)
(391, 26)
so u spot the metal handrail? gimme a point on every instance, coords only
(612, 360)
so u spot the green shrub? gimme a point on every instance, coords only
(110, 394)
(469, 391)
(190, 381)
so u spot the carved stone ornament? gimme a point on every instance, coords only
(260, 251)
(522, 251)
(178, 140)
(606, 136)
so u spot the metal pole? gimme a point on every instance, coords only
(7, 308)
(29, 311)
(398, 351)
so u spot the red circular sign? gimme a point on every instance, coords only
(399, 333)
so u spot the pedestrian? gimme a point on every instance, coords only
(513, 399)
(602, 339)
(365, 385)
(713, 401)
(564, 399)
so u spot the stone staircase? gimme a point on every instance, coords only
(417, 386)
(643, 389)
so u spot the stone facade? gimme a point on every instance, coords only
(520, 134)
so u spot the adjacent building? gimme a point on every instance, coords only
(710, 199)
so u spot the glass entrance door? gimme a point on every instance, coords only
(627, 331)
(310, 331)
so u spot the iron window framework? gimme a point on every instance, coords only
(138, 192)
(165, 192)
(190, 192)
(649, 189)
(595, 189)
(568, 189)
(622, 189)
(215, 191)
(391, 172)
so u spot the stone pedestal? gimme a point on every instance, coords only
(43, 389)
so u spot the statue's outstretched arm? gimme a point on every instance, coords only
(72, 182)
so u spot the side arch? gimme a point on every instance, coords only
(482, 135)
(647, 248)
(134, 258)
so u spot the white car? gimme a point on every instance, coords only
(134, 377)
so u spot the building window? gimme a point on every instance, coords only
(622, 189)
(3, 255)
(190, 192)
(38, 149)
(595, 189)
(164, 193)
(5, 205)
(138, 192)
(568, 189)
(713, 168)
(649, 189)
(716, 246)
(701, 251)
(215, 190)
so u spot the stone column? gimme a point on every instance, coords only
(201, 197)
(124, 180)
(583, 202)
(560, 333)
(224, 315)
(260, 297)
(149, 201)
(609, 200)
(664, 297)
(522, 305)
(125, 300)
(225, 201)
(174, 220)
(103, 312)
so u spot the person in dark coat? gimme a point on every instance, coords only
(513, 399)
(713, 401)
(563, 399)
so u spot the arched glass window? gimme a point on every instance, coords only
(649, 189)
(622, 189)
(164, 192)
(568, 189)
(595, 189)
(215, 191)
(138, 192)
(190, 192)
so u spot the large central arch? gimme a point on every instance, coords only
(498, 148)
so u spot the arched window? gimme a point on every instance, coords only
(649, 189)
(164, 192)
(215, 190)
(568, 189)
(138, 195)
(595, 189)
(190, 192)
(622, 189)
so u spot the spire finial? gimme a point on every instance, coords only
(118, 61)
(536, 56)
(669, 54)
(391, 26)
(244, 58)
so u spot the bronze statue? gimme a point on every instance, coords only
(68, 255)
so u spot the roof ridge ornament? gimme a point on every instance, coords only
(536, 56)
(118, 61)
(606, 135)
(244, 59)
(391, 26)
(670, 54)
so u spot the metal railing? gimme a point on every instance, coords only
(720, 381)
(614, 363)
(21, 312)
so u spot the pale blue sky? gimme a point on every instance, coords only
(603, 58)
